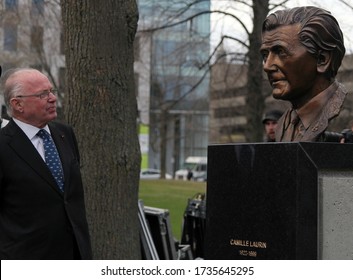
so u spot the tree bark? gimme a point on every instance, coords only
(255, 100)
(101, 105)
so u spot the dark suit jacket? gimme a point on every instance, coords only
(37, 221)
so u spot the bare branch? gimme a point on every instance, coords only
(170, 105)
(187, 7)
(245, 2)
(347, 4)
(168, 25)
(281, 4)
(218, 46)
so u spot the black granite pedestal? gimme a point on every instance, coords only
(279, 201)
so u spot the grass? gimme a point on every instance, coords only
(172, 195)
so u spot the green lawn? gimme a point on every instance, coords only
(172, 195)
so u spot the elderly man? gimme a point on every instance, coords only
(42, 213)
(302, 49)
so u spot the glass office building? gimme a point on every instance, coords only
(176, 38)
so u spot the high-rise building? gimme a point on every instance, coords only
(171, 54)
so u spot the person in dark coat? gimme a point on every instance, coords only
(40, 217)
(270, 121)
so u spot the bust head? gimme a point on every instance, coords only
(302, 49)
(319, 32)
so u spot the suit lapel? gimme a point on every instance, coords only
(25, 150)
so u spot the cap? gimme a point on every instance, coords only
(272, 115)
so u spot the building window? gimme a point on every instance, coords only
(11, 5)
(10, 37)
(37, 7)
(37, 38)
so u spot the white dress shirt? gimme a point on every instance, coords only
(31, 132)
(4, 122)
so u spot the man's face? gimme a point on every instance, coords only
(270, 128)
(291, 70)
(33, 109)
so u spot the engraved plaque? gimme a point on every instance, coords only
(279, 201)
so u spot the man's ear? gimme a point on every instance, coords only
(16, 104)
(323, 61)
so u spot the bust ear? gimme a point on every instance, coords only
(323, 61)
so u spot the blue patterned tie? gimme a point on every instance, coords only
(52, 158)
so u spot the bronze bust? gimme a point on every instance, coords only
(302, 50)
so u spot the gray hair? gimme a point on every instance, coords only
(12, 89)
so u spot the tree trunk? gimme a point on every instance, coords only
(255, 99)
(101, 105)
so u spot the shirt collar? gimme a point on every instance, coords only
(28, 129)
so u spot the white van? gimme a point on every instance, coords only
(196, 165)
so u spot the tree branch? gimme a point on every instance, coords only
(168, 25)
(347, 4)
(219, 45)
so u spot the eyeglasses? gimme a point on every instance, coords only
(43, 95)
